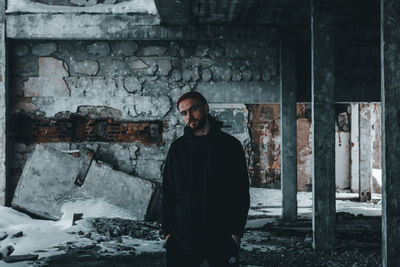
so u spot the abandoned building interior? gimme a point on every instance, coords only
(310, 88)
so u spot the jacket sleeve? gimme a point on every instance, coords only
(241, 196)
(167, 196)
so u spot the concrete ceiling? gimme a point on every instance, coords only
(259, 12)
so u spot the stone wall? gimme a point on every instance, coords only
(118, 97)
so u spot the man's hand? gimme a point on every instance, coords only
(167, 236)
(236, 239)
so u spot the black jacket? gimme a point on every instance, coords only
(205, 187)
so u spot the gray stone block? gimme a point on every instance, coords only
(152, 51)
(206, 75)
(101, 49)
(132, 84)
(125, 48)
(164, 66)
(118, 188)
(44, 49)
(88, 67)
(20, 50)
(47, 180)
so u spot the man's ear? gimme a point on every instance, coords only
(206, 108)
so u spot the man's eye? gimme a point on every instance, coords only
(183, 113)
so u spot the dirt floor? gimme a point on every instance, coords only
(275, 243)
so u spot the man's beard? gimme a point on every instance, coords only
(199, 125)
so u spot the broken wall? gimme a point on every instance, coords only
(118, 97)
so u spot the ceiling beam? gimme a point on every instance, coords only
(72, 26)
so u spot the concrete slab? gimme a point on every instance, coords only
(47, 180)
(126, 191)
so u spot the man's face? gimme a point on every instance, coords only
(194, 113)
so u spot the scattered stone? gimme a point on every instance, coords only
(20, 50)
(101, 49)
(201, 50)
(164, 66)
(58, 178)
(125, 48)
(206, 75)
(44, 49)
(18, 234)
(137, 64)
(117, 227)
(132, 84)
(88, 67)
(176, 75)
(19, 258)
(152, 51)
(3, 235)
(6, 251)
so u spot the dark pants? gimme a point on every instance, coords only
(219, 252)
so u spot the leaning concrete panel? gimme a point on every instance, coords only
(46, 182)
(118, 188)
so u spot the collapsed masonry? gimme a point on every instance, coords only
(52, 177)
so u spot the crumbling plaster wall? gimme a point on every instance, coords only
(114, 88)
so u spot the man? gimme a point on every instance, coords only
(205, 191)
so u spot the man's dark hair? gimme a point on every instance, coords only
(191, 94)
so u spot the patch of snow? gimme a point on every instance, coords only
(132, 6)
(269, 202)
(377, 174)
(43, 235)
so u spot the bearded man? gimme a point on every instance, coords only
(205, 191)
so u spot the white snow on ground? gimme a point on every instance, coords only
(43, 235)
(269, 202)
(133, 6)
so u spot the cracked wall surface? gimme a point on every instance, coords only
(118, 97)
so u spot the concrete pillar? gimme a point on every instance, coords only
(390, 62)
(355, 147)
(365, 152)
(323, 122)
(3, 80)
(288, 129)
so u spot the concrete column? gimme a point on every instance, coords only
(355, 147)
(365, 152)
(323, 122)
(390, 62)
(3, 86)
(288, 129)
